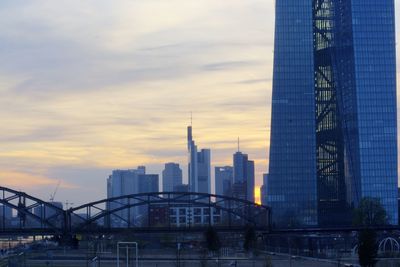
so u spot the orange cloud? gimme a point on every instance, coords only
(21, 180)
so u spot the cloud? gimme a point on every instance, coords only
(228, 65)
(39, 134)
(74, 46)
(255, 81)
(25, 181)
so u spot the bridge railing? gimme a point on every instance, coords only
(169, 210)
(20, 211)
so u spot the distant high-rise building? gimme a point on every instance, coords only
(129, 182)
(199, 169)
(263, 190)
(148, 183)
(172, 177)
(124, 182)
(192, 159)
(240, 167)
(223, 180)
(141, 169)
(333, 128)
(6, 212)
(204, 171)
(121, 183)
(243, 176)
(181, 188)
(250, 181)
(5, 215)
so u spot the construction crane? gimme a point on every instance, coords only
(55, 192)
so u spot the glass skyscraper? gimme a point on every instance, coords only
(171, 177)
(243, 177)
(199, 167)
(333, 129)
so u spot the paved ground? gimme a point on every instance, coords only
(81, 258)
(159, 263)
(277, 261)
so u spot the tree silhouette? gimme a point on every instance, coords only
(249, 238)
(369, 213)
(212, 239)
(367, 248)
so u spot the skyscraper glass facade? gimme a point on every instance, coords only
(243, 177)
(199, 167)
(171, 177)
(334, 132)
(223, 180)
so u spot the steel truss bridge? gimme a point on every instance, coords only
(146, 212)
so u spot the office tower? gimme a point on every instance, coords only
(204, 171)
(192, 158)
(172, 177)
(124, 182)
(223, 180)
(199, 168)
(333, 128)
(129, 182)
(6, 212)
(148, 183)
(240, 167)
(263, 190)
(5, 215)
(121, 183)
(181, 188)
(243, 177)
(250, 181)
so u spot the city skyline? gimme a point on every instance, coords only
(69, 114)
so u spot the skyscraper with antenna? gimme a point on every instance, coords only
(192, 160)
(199, 164)
(243, 175)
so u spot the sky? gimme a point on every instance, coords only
(91, 86)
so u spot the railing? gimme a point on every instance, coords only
(154, 211)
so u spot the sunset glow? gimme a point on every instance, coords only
(257, 195)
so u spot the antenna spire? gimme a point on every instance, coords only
(191, 118)
(238, 144)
